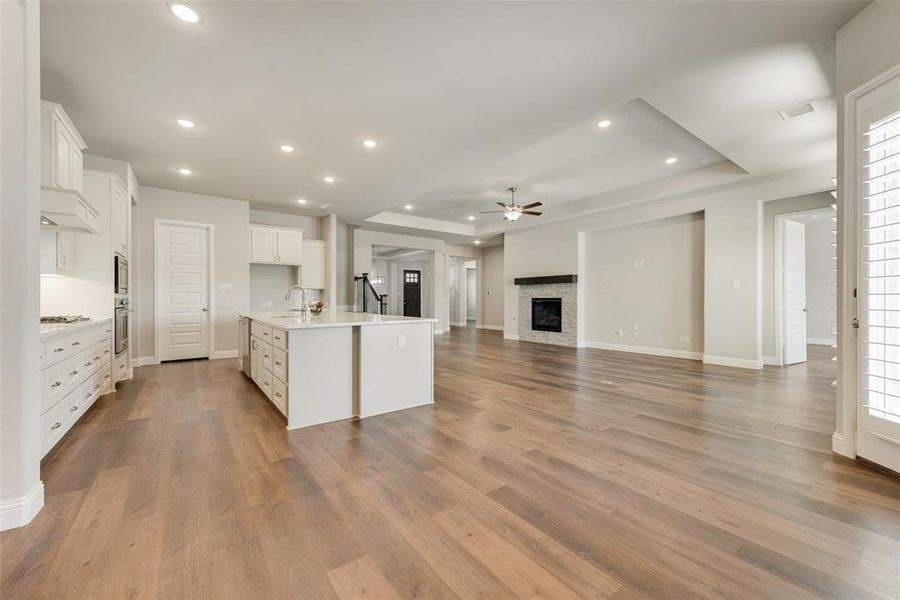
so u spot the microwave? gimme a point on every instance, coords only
(120, 269)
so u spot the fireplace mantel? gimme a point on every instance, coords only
(546, 279)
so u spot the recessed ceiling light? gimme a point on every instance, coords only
(471, 217)
(604, 123)
(301, 200)
(286, 148)
(329, 179)
(186, 123)
(477, 241)
(184, 12)
(370, 143)
(326, 206)
(408, 207)
(185, 171)
(671, 160)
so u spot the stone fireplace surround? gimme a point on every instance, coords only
(554, 286)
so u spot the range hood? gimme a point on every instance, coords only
(63, 209)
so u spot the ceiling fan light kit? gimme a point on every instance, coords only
(512, 211)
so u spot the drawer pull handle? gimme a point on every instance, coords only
(74, 372)
(56, 425)
(73, 409)
(277, 363)
(88, 395)
(87, 364)
(76, 343)
(96, 386)
(96, 358)
(106, 377)
(56, 384)
(59, 349)
(265, 334)
(277, 395)
(109, 331)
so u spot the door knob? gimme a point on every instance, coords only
(204, 309)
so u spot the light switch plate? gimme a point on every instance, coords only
(226, 286)
(401, 341)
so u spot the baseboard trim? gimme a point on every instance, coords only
(144, 361)
(727, 361)
(490, 327)
(839, 445)
(20, 511)
(771, 361)
(511, 336)
(821, 341)
(665, 352)
(458, 324)
(223, 354)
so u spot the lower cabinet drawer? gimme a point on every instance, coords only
(279, 395)
(279, 363)
(265, 358)
(266, 381)
(53, 425)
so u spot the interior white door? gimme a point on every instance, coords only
(794, 320)
(878, 293)
(182, 256)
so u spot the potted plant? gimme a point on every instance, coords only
(315, 308)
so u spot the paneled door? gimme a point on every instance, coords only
(412, 293)
(878, 297)
(182, 259)
(794, 292)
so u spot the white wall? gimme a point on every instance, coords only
(490, 288)
(663, 295)
(231, 219)
(733, 263)
(268, 283)
(344, 270)
(770, 211)
(309, 225)
(21, 491)
(819, 279)
(471, 294)
(866, 46)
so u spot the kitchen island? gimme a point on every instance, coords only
(339, 365)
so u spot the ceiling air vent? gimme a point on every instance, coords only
(798, 110)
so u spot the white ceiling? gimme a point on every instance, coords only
(464, 98)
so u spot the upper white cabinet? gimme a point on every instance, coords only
(276, 245)
(63, 205)
(62, 149)
(118, 210)
(312, 273)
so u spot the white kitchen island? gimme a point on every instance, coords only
(317, 369)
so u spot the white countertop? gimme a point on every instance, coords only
(51, 330)
(288, 320)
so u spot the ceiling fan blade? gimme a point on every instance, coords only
(531, 212)
(532, 205)
(491, 212)
(503, 205)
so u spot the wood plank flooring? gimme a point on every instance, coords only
(540, 472)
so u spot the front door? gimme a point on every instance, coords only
(412, 293)
(182, 256)
(794, 292)
(878, 298)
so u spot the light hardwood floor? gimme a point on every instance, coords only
(539, 472)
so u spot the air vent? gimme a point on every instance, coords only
(798, 110)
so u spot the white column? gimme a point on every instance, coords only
(21, 490)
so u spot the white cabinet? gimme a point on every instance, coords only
(62, 149)
(275, 245)
(268, 364)
(119, 218)
(312, 271)
(290, 246)
(57, 253)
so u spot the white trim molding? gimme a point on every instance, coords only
(490, 327)
(728, 361)
(771, 361)
(511, 336)
(144, 361)
(664, 352)
(821, 341)
(218, 354)
(20, 511)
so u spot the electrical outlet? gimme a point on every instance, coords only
(619, 333)
(401, 341)
(226, 286)
(602, 288)
(635, 326)
(735, 285)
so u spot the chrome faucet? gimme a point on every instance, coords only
(290, 292)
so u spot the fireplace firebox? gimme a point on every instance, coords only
(546, 314)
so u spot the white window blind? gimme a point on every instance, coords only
(880, 314)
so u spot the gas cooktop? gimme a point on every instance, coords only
(65, 319)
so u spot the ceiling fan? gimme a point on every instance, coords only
(512, 211)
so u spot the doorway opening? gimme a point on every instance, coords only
(404, 277)
(462, 286)
(805, 284)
